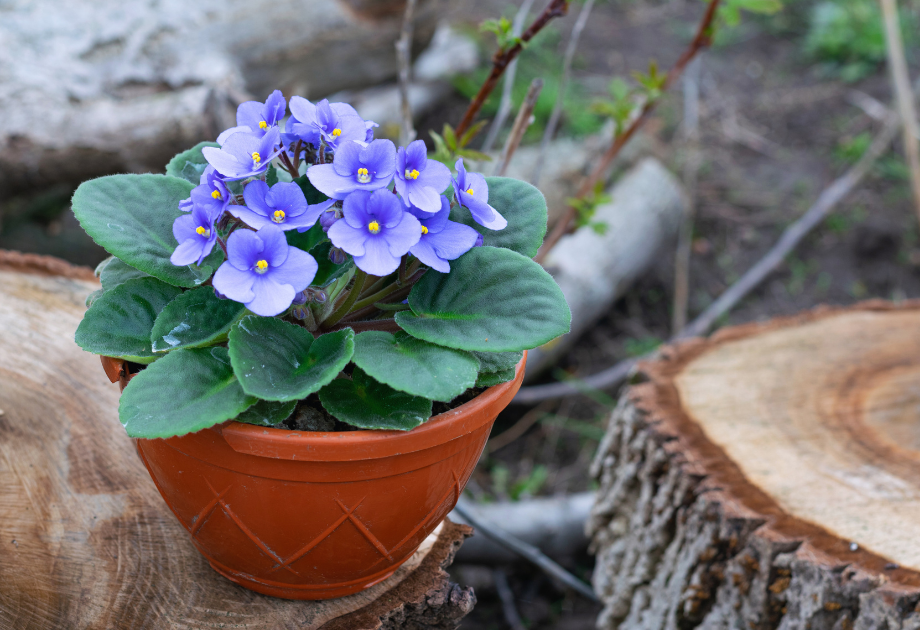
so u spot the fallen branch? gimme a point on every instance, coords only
(901, 81)
(404, 58)
(525, 550)
(509, 609)
(519, 428)
(556, 114)
(702, 40)
(504, 105)
(522, 121)
(791, 237)
(503, 57)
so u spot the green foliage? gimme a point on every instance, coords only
(503, 30)
(531, 484)
(488, 379)
(278, 361)
(267, 413)
(729, 12)
(271, 177)
(620, 107)
(190, 164)
(848, 36)
(415, 366)
(328, 271)
(119, 322)
(185, 391)
(195, 318)
(496, 367)
(113, 272)
(522, 205)
(586, 207)
(448, 147)
(132, 217)
(494, 300)
(363, 402)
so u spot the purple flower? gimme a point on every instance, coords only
(420, 181)
(257, 118)
(471, 191)
(244, 154)
(356, 167)
(211, 193)
(442, 240)
(375, 230)
(263, 272)
(283, 205)
(369, 126)
(196, 235)
(335, 123)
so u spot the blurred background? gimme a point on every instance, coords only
(785, 100)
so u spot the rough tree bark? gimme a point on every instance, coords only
(85, 539)
(768, 477)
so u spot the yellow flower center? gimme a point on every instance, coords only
(413, 174)
(263, 125)
(424, 230)
(262, 266)
(278, 217)
(374, 227)
(256, 157)
(469, 190)
(203, 231)
(363, 176)
(336, 132)
(216, 194)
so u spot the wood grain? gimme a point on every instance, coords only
(768, 477)
(85, 539)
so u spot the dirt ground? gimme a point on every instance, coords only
(774, 132)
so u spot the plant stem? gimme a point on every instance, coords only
(378, 296)
(381, 306)
(503, 57)
(521, 123)
(378, 284)
(343, 309)
(565, 224)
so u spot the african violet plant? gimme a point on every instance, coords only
(273, 265)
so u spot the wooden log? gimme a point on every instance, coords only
(86, 541)
(767, 477)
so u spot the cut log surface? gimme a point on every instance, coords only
(86, 541)
(768, 477)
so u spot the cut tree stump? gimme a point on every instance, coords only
(86, 541)
(767, 477)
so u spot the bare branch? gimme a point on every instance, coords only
(512, 617)
(404, 58)
(522, 121)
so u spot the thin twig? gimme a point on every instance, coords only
(509, 609)
(503, 57)
(504, 105)
(556, 115)
(691, 171)
(404, 58)
(702, 40)
(525, 550)
(522, 121)
(901, 81)
(519, 428)
(791, 237)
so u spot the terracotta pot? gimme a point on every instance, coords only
(305, 515)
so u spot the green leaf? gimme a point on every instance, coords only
(185, 391)
(328, 271)
(271, 177)
(117, 272)
(92, 297)
(275, 360)
(195, 318)
(267, 413)
(119, 322)
(522, 205)
(364, 403)
(193, 159)
(415, 366)
(309, 190)
(131, 216)
(498, 361)
(488, 379)
(493, 300)
(306, 240)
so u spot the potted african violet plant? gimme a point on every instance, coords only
(314, 332)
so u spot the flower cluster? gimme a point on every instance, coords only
(385, 207)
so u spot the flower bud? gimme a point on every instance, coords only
(318, 295)
(327, 218)
(337, 256)
(301, 298)
(300, 312)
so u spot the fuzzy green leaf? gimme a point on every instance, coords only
(415, 366)
(131, 216)
(195, 318)
(364, 403)
(185, 391)
(119, 322)
(189, 164)
(278, 361)
(267, 413)
(117, 272)
(488, 379)
(522, 205)
(498, 361)
(493, 300)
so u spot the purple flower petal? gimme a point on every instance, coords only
(275, 250)
(355, 210)
(298, 270)
(425, 198)
(403, 236)
(425, 252)
(249, 114)
(226, 133)
(377, 259)
(383, 206)
(327, 181)
(287, 196)
(252, 219)
(347, 159)
(254, 196)
(235, 284)
(269, 297)
(244, 248)
(453, 241)
(380, 158)
(348, 238)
